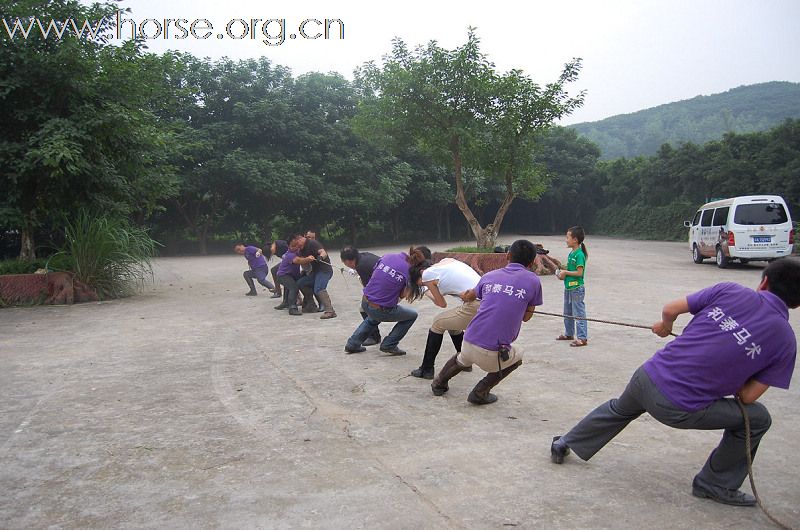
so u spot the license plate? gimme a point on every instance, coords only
(762, 239)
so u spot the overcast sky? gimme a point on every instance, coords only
(636, 54)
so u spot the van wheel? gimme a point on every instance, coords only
(722, 259)
(696, 256)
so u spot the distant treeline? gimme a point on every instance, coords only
(698, 120)
(649, 197)
(203, 153)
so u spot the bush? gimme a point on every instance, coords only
(645, 222)
(109, 255)
(15, 266)
(471, 249)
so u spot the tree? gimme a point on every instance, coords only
(453, 105)
(78, 127)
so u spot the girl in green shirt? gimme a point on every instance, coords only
(574, 291)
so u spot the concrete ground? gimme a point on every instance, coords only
(191, 405)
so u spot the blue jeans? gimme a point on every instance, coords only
(404, 316)
(574, 306)
(318, 279)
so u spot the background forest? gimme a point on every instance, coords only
(202, 153)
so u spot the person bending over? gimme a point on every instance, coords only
(738, 343)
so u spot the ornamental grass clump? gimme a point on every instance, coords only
(110, 255)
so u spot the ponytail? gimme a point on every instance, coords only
(415, 256)
(579, 234)
(414, 275)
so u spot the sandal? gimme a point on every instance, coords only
(578, 343)
(565, 337)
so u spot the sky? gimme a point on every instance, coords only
(635, 54)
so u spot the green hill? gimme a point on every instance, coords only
(698, 120)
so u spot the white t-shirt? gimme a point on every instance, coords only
(454, 276)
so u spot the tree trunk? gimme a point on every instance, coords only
(27, 251)
(461, 202)
(202, 240)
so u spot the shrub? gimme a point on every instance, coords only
(109, 255)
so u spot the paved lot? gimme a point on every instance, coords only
(194, 406)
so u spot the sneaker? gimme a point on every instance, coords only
(394, 350)
(295, 312)
(704, 490)
(276, 295)
(251, 293)
(371, 341)
(360, 349)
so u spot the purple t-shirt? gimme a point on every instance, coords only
(505, 295)
(253, 260)
(736, 334)
(287, 268)
(388, 280)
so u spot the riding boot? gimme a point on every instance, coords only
(308, 299)
(480, 395)
(326, 301)
(457, 341)
(448, 371)
(320, 303)
(432, 347)
(249, 279)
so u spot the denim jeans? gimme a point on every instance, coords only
(318, 279)
(404, 316)
(574, 306)
(260, 274)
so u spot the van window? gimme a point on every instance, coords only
(696, 220)
(760, 214)
(707, 215)
(721, 216)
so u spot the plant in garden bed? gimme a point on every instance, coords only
(110, 255)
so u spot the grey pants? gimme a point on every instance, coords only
(726, 465)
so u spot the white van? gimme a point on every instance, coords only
(751, 228)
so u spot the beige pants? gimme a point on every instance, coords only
(486, 359)
(456, 319)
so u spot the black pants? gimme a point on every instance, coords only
(289, 290)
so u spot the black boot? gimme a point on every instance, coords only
(249, 279)
(457, 341)
(320, 303)
(480, 395)
(308, 299)
(448, 371)
(432, 347)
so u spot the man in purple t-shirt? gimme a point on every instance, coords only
(258, 267)
(508, 298)
(738, 343)
(391, 280)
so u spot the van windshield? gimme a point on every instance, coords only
(760, 214)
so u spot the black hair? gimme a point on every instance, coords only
(238, 243)
(414, 274)
(522, 252)
(579, 234)
(349, 252)
(425, 251)
(783, 280)
(281, 246)
(295, 237)
(267, 250)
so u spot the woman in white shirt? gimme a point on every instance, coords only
(448, 278)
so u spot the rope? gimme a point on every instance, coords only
(626, 324)
(748, 448)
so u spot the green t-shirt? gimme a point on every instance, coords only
(575, 259)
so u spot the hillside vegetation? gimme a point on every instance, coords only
(698, 120)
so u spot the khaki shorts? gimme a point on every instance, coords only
(456, 319)
(486, 359)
